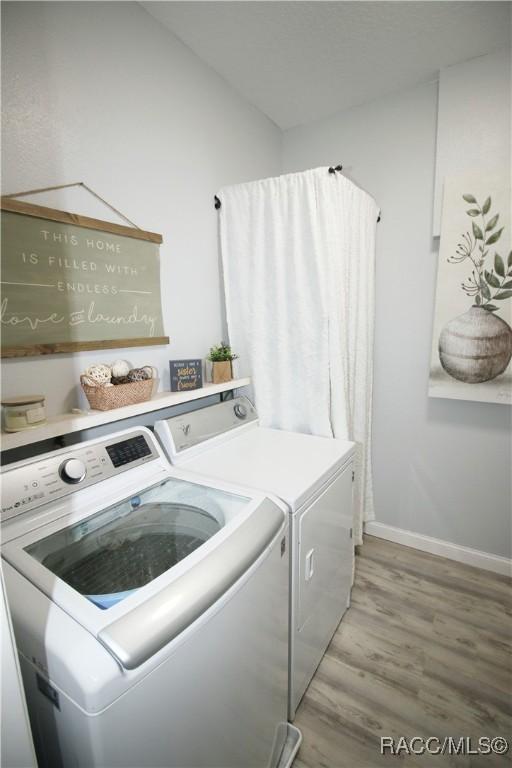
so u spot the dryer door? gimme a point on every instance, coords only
(325, 557)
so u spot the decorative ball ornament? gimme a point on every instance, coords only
(120, 380)
(151, 371)
(120, 368)
(89, 381)
(138, 374)
(101, 374)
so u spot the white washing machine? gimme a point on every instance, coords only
(150, 610)
(313, 476)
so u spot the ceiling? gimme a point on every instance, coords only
(303, 61)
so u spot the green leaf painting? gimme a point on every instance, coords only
(492, 279)
(494, 238)
(492, 223)
(499, 266)
(484, 284)
(477, 232)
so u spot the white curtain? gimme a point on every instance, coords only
(298, 255)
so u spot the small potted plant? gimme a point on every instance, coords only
(221, 358)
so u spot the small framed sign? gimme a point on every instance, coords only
(186, 375)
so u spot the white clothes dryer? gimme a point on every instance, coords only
(313, 476)
(150, 610)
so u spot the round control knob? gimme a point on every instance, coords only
(240, 411)
(72, 471)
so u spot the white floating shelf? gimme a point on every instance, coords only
(73, 422)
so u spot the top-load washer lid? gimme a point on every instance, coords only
(118, 550)
(135, 557)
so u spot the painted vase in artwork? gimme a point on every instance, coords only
(477, 345)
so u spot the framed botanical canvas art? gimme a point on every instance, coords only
(472, 333)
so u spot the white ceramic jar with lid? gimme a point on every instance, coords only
(23, 412)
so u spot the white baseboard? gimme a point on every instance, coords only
(474, 557)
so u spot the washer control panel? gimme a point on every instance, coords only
(55, 475)
(128, 451)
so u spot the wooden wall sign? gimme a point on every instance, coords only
(72, 283)
(186, 375)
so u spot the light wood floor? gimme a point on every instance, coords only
(424, 650)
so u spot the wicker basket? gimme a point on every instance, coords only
(105, 398)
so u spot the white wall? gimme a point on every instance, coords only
(473, 125)
(441, 467)
(101, 93)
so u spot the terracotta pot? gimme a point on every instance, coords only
(222, 372)
(476, 346)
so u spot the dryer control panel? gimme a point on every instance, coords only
(189, 429)
(45, 478)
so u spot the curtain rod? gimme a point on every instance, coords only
(332, 169)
